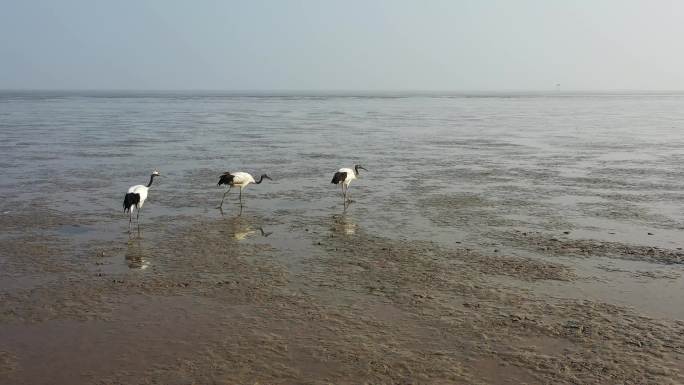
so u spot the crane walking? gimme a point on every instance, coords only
(239, 179)
(135, 198)
(345, 176)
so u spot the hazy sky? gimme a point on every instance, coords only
(342, 45)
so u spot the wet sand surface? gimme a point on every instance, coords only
(503, 240)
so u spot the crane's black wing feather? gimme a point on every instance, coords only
(129, 200)
(339, 177)
(226, 179)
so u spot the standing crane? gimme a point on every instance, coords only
(240, 179)
(135, 198)
(345, 176)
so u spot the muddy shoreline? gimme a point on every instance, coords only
(210, 301)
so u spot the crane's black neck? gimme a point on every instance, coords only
(151, 180)
(356, 170)
(261, 179)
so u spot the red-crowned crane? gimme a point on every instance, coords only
(135, 198)
(239, 179)
(345, 176)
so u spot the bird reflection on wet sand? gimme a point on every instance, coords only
(136, 256)
(241, 228)
(343, 224)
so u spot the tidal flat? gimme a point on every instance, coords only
(501, 240)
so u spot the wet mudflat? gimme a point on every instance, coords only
(468, 259)
(214, 301)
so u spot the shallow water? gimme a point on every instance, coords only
(456, 170)
(442, 168)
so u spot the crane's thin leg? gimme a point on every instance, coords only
(224, 196)
(130, 220)
(137, 219)
(240, 196)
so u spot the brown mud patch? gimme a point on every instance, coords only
(450, 289)
(8, 362)
(212, 301)
(554, 245)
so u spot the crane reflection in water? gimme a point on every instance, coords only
(343, 224)
(137, 257)
(241, 228)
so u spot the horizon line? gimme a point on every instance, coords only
(342, 91)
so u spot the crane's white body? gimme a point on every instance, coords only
(242, 179)
(351, 175)
(141, 190)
